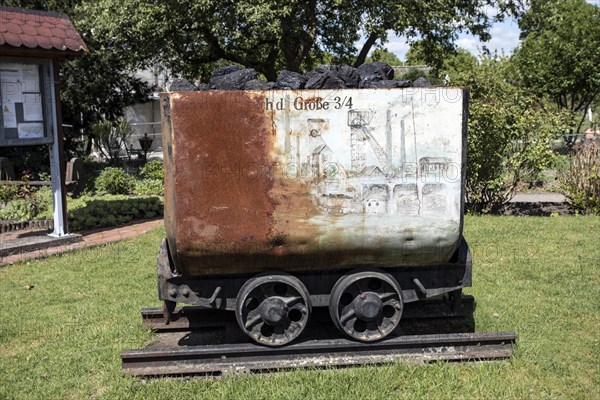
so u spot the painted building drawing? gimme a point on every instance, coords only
(386, 158)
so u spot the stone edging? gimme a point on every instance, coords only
(11, 226)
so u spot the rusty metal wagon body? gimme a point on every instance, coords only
(280, 201)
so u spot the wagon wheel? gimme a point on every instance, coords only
(273, 309)
(367, 305)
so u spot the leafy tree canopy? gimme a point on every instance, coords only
(559, 53)
(385, 56)
(186, 35)
(454, 63)
(420, 54)
(459, 63)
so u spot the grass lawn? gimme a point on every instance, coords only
(537, 276)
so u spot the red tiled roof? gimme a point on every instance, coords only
(32, 29)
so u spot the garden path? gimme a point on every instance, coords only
(89, 239)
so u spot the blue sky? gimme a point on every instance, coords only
(505, 37)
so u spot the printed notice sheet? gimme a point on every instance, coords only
(31, 78)
(32, 107)
(9, 115)
(32, 130)
(11, 78)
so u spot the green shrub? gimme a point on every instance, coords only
(149, 187)
(92, 212)
(18, 210)
(581, 182)
(114, 181)
(111, 210)
(153, 170)
(33, 205)
(91, 171)
(510, 135)
(44, 176)
(44, 199)
(8, 193)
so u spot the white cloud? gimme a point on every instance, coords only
(469, 43)
(505, 36)
(491, 11)
(398, 45)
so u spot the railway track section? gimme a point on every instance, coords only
(200, 342)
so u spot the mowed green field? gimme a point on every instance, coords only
(537, 276)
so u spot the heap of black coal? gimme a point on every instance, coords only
(372, 75)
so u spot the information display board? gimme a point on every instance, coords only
(25, 102)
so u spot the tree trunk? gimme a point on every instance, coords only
(364, 52)
(296, 42)
(268, 67)
(585, 108)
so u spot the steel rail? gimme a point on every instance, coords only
(249, 357)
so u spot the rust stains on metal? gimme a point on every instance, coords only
(294, 208)
(223, 172)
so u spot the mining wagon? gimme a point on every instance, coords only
(278, 202)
